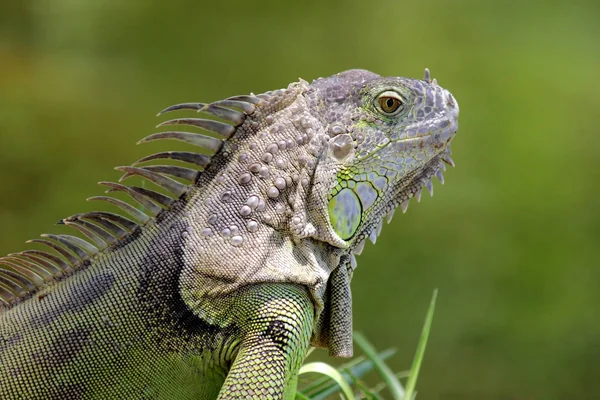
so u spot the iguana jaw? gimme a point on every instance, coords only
(408, 188)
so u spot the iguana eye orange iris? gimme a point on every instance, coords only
(389, 104)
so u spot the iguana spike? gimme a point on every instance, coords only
(15, 278)
(38, 269)
(246, 107)
(440, 176)
(226, 113)
(195, 139)
(166, 183)
(159, 198)
(100, 238)
(427, 76)
(128, 208)
(36, 275)
(404, 205)
(42, 263)
(72, 260)
(244, 103)
(379, 227)
(182, 106)
(143, 200)
(353, 263)
(359, 247)
(429, 186)
(13, 285)
(245, 98)
(201, 160)
(105, 224)
(6, 296)
(390, 215)
(78, 246)
(373, 236)
(173, 170)
(114, 218)
(21, 274)
(217, 127)
(418, 195)
(448, 160)
(42, 255)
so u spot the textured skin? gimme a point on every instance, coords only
(218, 290)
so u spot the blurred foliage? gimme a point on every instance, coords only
(512, 239)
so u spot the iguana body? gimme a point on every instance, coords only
(219, 289)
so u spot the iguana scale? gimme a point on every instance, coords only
(217, 285)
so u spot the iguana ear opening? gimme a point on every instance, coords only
(341, 147)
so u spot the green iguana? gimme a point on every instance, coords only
(218, 289)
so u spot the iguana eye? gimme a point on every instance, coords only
(390, 102)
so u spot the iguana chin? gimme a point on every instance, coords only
(218, 289)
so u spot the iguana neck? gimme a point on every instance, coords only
(247, 219)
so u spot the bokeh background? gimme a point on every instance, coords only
(511, 240)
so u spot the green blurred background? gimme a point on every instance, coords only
(511, 240)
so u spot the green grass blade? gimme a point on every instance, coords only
(368, 393)
(326, 369)
(302, 396)
(352, 371)
(388, 376)
(416, 365)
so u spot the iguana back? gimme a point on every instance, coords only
(217, 285)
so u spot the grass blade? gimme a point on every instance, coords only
(388, 376)
(351, 372)
(326, 369)
(416, 365)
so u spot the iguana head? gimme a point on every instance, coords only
(387, 138)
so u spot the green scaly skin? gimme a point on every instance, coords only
(218, 290)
